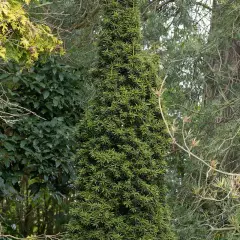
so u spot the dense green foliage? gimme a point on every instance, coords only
(36, 152)
(119, 139)
(120, 182)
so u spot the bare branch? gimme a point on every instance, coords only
(186, 148)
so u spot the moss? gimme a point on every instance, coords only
(122, 141)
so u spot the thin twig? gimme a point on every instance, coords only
(187, 150)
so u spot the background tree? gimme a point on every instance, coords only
(199, 52)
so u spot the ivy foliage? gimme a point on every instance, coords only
(40, 148)
(122, 141)
(21, 39)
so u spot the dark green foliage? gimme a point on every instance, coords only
(120, 183)
(36, 166)
(37, 147)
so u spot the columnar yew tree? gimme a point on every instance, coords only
(120, 184)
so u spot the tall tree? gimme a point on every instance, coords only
(120, 188)
(203, 74)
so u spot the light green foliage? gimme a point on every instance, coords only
(120, 189)
(21, 39)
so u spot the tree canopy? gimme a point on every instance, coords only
(21, 39)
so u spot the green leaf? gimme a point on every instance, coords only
(46, 94)
(23, 143)
(36, 104)
(55, 102)
(4, 75)
(58, 163)
(40, 77)
(1, 183)
(61, 77)
(9, 146)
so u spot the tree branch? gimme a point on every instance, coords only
(185, 149)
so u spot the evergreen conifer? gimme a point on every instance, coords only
(120, 184)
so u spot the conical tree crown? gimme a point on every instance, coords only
(120, 185)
